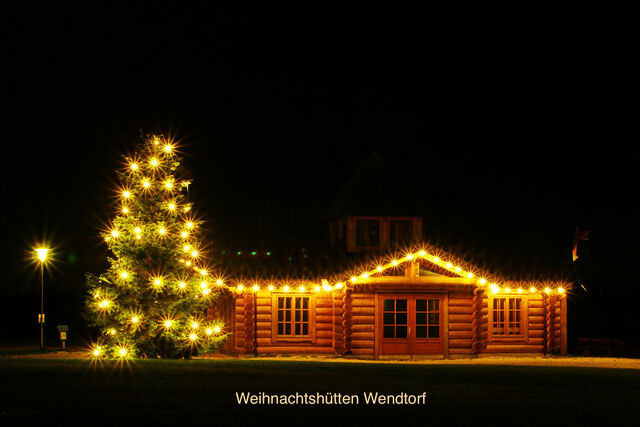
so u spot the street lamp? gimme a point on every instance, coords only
(42, 256)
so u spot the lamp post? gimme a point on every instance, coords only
(42, 256)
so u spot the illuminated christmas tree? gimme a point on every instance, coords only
(151, 300)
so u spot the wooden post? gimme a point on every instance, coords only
(248, 324)
(564, 340)
(476, 319)
(346, 321)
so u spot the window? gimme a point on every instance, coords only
(400, 232)
(367, 233)
(293, 316)
(507, 317)
(395, 318)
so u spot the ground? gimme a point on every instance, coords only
(491, 391)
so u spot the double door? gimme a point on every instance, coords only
(410, 324)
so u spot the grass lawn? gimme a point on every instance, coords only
(203, 392)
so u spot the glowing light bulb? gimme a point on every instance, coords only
(172, 206)
(194, 325)
(125, 210)
(271, 288)
(365, 275)
(379, 268)
(240, 288)
(204, 272)
(256, 288)
(469, 275)
(410, 256)
(146, 183)
(217, 329)
(112, 331)
(97, 351)
(494, 288)
(302, 289)
(168, 148)
(286, 288)
(168, 185)
(182, 285)
(105, 303)
(219, 282)
(154, 162)
(208, 331)
(532, 289)
(519, 290)
(193, 337)
(124, 274)
(157, 282)
(422, 253)
(138, 236)
(203, 285)
(188, 263)
(122, 351)
(115, 233)
(186, 209)
(126, 194)
(168, 323)
(547, 290)
(194, 253)
(561, 290)
(449, 265)
(317, 289)
(156, 141)
(187, 248)
(138, 230)
(394, 262)
(339, 285)
(482, 281)
(436, 259)
(134, 319)
(354, 279)
(457, 269)
(134, 166)
(184, 235)
(162, 230)
(189, 224)
(507, 290)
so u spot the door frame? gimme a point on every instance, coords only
(444, 315)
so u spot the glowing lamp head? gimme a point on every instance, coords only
(507, 290)
(436, 259)
(154, 162)
(194, 253)
(168, 323)
(286, 288)
(135, 319)
(410, 256)
(168, 185)
(122, 351)
(379, 268)
(354, 279)
(125, 210)
(172, 206)
(219, 282)
(422, 253)
(317, 289)
(184, 235)
(104, 303)
(469, 275)
(124, 274)
(182, 285)
(561, 290)
(532, 290)
(240, 288)
(208, 331)
(394, 262)
(457, 269)
(203, 285)
(194, 325)
(162, 231)
(126, 194)
(365, 275)
(134, 166)
(271, 288)
(302, 289)
(193, 337)
(42, 253)
(115, 233)
(494, 288)
(157, 282)
(138, 230)
(256, 288)
(547, 290)
(482, 281)
(189, 224)
(168, 148)
(146, 183)
(97, 351)
(449, 265)
(519, 290)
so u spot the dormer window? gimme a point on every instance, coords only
(367, 233)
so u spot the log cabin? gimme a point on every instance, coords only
(419, 303)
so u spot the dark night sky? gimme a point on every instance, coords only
(511, 123)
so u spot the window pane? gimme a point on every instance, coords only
(388, 319)
(280, 302)
(305, 329)
(401, 318)
(297, 329)
(421, 331)
(287, 328)
(421, 305)
(305, 303)
(280, 315)
(434, 332)
(367, 232)
(305, 316)
(388, 332)
(401, 305)
(421, 318)
(400, 232)
(298, 302)
(280, 328)
(297, 315)
(434, 318)
(434, 304)
(288, 316)
(288, 302)
(388, 305)
(401, 331)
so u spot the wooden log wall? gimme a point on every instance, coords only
(476, 322)
(363, 324)
(461, 314)
(325, 330)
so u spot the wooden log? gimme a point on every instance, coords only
(323, 303)
(461, 350)
(536, 319)
(514, 348)
(536, 341)
(536, 311)
(461, 296)
(460, 318)
(535, 304)
(263, 317)
(460, 326)
(363, 320)
(323, 311)
(460, 310)
(362, 335)
(460, 302)
(264, 333)
(363, 310)
(264, 309)
(239, 311)
(266, 326)
(362, 344)
(324, 334)
(460, 334)
(536, 333)
(362, 303)
(458, 343)
(263, 301)
(240, 302)
(325, 318)
(324, 327)
(239, 319)
(366, 327)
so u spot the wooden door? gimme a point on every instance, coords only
(410, 324)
